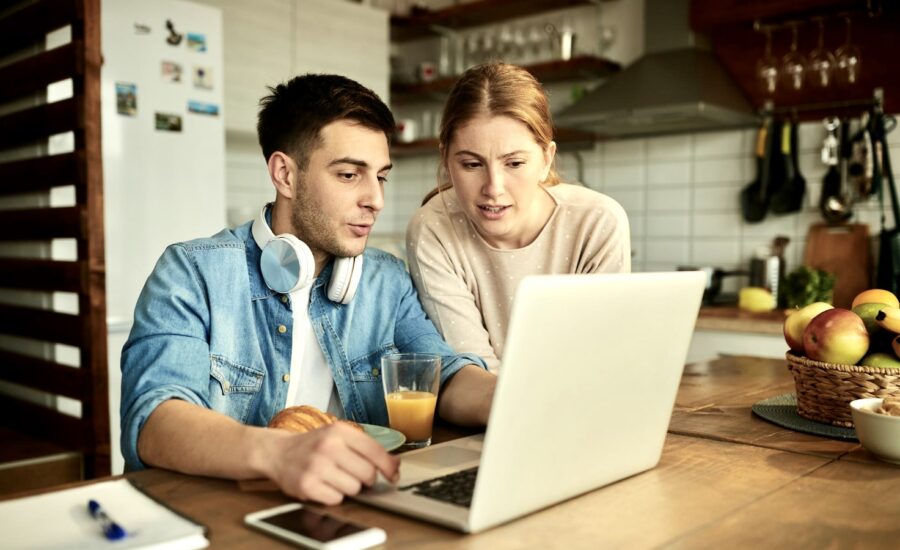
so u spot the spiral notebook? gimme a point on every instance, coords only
(60, 519)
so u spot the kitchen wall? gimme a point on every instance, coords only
(680, 193)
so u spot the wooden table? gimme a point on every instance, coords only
(726, 478)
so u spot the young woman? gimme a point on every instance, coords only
(500, 212)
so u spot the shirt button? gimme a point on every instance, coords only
(286, 378)
(282, 329)
(375, 371)
(284, 298)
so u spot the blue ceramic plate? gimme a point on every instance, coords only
(389, 439)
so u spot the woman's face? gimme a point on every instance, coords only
(496, 168)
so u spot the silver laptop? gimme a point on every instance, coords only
(588, 380)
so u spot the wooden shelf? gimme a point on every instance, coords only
(424, 23)
(566, 140)
(584, 66)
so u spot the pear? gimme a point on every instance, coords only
(867, 313)
(881, 360)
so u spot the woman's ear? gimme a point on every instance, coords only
(549, 155)
(283, 172)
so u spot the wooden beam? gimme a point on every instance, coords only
(49, 326)
(40, 173)
(40, 421)
(29, 125)
(47, 275)
(33, 74)
(31, 23)
(42, 223)
(43, 375)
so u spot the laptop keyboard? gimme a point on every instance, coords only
(455, 488)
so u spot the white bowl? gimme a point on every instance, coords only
(877, 432)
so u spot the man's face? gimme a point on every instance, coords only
(341, 192)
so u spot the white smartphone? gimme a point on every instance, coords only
(314, 529)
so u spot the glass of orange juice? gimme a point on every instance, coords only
(411, 383)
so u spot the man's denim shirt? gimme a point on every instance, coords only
(208, 331)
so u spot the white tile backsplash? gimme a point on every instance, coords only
(623, 175)
(720, 170)
(719, 144)
(668, 225)
(669, 147)
(667, 200)
(668, 173)
(717, 225)
(624, 150)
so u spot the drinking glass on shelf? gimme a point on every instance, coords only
(793, 64)
(767, 67)
(848, 59)
(821, 63)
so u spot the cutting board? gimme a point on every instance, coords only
(845, 251)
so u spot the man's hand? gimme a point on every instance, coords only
(328, 463)
(322, 465)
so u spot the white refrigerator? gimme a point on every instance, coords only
(163, 149)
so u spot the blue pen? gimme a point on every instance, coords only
(111, 529)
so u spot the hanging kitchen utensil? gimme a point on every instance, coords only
(859, 166)
(754, 196)
(789, 198)
(834, 204)
(888, 272)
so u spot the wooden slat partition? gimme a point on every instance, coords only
(35, 72)
(61, 428)
(22, 32)
(28, 274)
(40, 174)
(31, 23)
(28, 322)
(29, 125)
(43, 375)
(43, 223)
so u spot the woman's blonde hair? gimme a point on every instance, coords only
(495, 89)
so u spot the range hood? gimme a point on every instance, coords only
(677, 86)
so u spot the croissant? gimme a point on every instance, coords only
(305, 418)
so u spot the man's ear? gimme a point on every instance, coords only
(283, 172)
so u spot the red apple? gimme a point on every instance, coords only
(796, 324)
(836, 336)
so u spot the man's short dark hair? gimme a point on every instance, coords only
(292, 116)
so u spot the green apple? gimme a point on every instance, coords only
(796, 324)
(881, 360)
(836, 336)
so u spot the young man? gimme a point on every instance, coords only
(215, 352)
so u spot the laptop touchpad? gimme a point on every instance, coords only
(442, 457)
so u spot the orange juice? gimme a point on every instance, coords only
(412, 412)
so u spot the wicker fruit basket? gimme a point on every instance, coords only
(825, 390)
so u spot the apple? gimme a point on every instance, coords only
(796, 323)
(836, 335)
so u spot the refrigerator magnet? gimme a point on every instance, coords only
(168, 122)
(126, 98)
(201, 108)
(174, 37)
(171, 71)
(196, 41)
(203, 78)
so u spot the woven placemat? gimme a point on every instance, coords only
(782, 410)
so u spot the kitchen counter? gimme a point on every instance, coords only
(732, 319)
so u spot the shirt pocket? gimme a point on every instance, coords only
(232, 387)
(368, 367)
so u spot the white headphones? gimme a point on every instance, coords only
(287, 264)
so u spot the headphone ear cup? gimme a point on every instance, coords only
(345, 279)
(287, 264)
